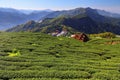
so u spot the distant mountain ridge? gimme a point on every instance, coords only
(10, 10)
(77, 11)
(11, 17)
(45, 20)
(85, 20)
(34, 11)
(92, 13)
(109, 14)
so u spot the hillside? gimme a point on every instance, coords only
(97, 15)
(36, 56)
(79, 23)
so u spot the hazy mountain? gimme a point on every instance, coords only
(93, 13)
(109, 14)
(34, 11)
(92, 20)
(36, 15)
(26, 11)
(66, 13)
(80, 22)
(11, 17)
(10, 10)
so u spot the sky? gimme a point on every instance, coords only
(109, 5)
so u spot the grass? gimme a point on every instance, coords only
(37, 56)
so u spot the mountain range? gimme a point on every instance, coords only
(109, 14)
(85, 20)
(11, 17)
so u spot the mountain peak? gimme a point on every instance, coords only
(86, 20)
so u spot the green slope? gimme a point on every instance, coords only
(79, 23)
(36, 56)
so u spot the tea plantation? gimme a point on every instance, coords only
(37, 56)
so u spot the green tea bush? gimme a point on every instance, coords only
(102, 76)
(73, 74)
(107, 75)
(104, 35)
(35, 79)
(43, 57)
(14, 53)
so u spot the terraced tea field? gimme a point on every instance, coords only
(36, 56)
